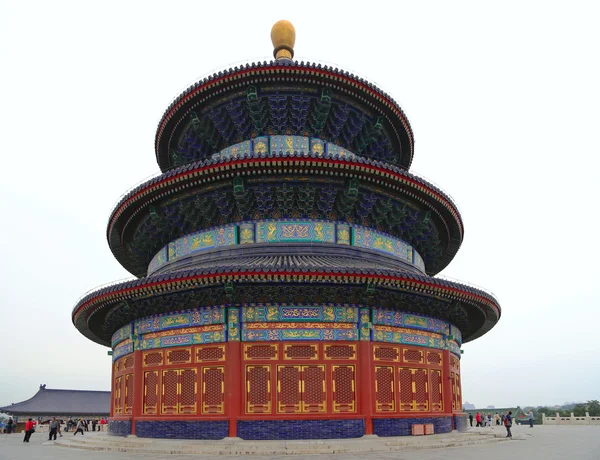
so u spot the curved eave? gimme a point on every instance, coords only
(183, 281)
(254, 73)
(203, 172)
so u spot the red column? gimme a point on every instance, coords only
(364, 388)
(234, 384)
(112, 387)
(447, 384)
(138, 389)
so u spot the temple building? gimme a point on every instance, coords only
(285, 264)
(47, 403)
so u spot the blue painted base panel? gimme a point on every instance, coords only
(461, 422)
(403, 426)
(300, 429)
(179, 429)
(119, 427)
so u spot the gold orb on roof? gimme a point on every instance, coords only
(283, 36)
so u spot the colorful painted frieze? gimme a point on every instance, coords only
(234, 152)
(335, 150)
(123, 333)
(158, 260)
(289, 144)
(366, 238)
(266, 335)
(390, 317)
(456, 334)
(299, 313)
(405, 336)
(342, 234)
(295, 232)
(418, 261)
(205, 334)
(189, 244)
(453, 347)
(246, 232)
(185, 318)
(233, 324)
(365, 325)
(260, 145)
(122, 349)
(317, 146)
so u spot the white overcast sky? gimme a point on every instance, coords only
(504, 102)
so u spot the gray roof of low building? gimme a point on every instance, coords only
(62, 402)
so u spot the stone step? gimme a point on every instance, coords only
(265, 448)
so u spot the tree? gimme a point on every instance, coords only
(579, 410)
(593, 407)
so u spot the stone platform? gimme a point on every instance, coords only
(234, 446)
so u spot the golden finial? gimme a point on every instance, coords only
(283, 36)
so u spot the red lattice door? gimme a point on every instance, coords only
(213, 390)
(188, 389)
(128, 406)
(258, 389)
(437, 399)
(289, 388)
(313, 389)
(150, 393)
(169, 397)
(385, 400)
(407, 391)
(118, 395)
(344, 393)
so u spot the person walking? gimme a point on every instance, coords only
(497, 418)
(478, 419)
(471, 419)
(530, 417)
(53, 429)
(508, 424)
(29, 429)
(10, 425)
(59, 431)
(79, 428)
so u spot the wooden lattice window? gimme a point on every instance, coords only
(210, 354)
(301, 352)
(340, 352)
(385, 353)
(252, 352)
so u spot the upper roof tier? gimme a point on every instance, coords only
(283, 97)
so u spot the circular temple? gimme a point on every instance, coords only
(285, 264)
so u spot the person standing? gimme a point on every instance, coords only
(28, 430)
(508, 424)
(94, 423)
(530, 417)
(53, 429)
(59, 431)
(471, 419)
(79, 428)
(9, 425)
(478, 419)
(102, 423)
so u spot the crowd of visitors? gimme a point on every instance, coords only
(54, 426)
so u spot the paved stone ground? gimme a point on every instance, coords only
(546, 442)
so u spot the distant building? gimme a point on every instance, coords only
(468, 406)
(48, 403)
